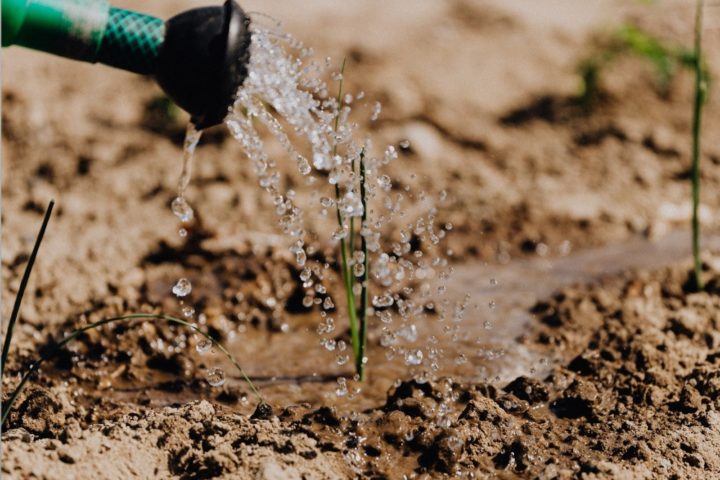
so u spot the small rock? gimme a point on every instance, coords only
(528, 389)
(263, 412)
(690, 400)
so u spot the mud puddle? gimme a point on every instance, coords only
(290, 367)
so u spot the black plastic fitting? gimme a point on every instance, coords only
(204, 60)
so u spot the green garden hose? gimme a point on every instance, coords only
(87, 30)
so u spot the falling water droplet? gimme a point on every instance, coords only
(340, 233)
(182, 209)
(301, 257)
(203, 346)
(377, 108)
(341, 389)
(182, 288)
(359, 269)
(413, 357)
(188, 311)
(382, 301)
(215, 377)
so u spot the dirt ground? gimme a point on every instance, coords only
(617, 376)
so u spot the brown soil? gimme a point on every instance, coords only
(620, 376)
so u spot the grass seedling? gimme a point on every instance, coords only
(358, 323)
(364, 294)
(23, 286)
(632, 40)
(8, 404)
(701, 87)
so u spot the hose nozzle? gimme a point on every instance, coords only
(198, 57)
(204, 60)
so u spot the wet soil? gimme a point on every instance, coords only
(595, 361)
(639, 398)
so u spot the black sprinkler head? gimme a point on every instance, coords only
(204, 60)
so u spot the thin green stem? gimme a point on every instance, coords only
(23, 286)
(700, 92)
(7, 406)
(348, 278)
(352, 228)
(360, 365)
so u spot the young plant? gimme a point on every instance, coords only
(701, 87)
(8, 404)
(23, 285)
(632, 40)
(358, 322)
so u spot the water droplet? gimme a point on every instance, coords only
(385, 182)
(335, 176)
(377, 108)
(328, 303)
(188, 311)
(405, 144)
(215, 377)
(387, 339)
(340, 233)
(342, 359)
(301, 257)
(390, 154)
(182, 232)
(341, 389)
(182, 209)
(351, 205)
(385, 316)
(413, 357)
(304, 167)
(493, 282)
(203, 345)
(182, 288)
(359, 269)
(382, 301)
(409, 333)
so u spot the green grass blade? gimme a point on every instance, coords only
(348, 278)
(360, 364)
(23, 286)
(7, 406)
(700, 93)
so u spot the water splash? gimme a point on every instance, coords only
(286, 95)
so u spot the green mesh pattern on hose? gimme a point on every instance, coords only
(132, 41)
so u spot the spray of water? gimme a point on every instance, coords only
(286, 96)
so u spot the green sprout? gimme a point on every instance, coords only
(701, 88)
(23, 285)
(33, 367)
(358, 327)
(632, 40)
